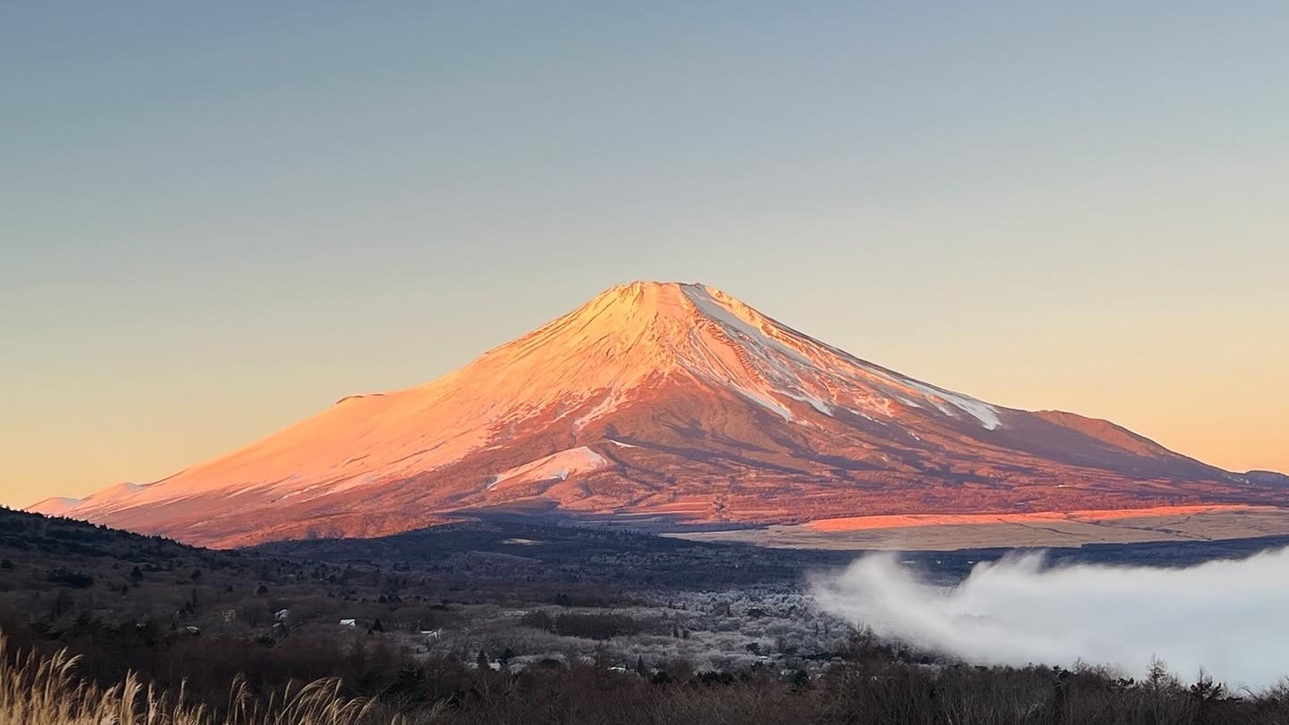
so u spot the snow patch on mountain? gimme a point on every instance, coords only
(557, 466)
(814, 402)
(610, 403)
(981, 411)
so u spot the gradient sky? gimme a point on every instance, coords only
(219, 218)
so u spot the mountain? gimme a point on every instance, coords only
(64, 505)
(1267, 477)
(57, 506)
(665, 406)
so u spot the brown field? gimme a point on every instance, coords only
(969, 531)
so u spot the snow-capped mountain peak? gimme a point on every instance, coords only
(632, 333)
(654, 398)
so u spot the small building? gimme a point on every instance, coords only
(351, 623)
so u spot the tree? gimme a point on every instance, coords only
(61, 605)
(136, 574)
(6, 564)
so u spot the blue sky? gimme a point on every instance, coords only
(215, 219)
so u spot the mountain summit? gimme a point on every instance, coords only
(666, 405)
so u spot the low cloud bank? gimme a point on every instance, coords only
(1229, 618)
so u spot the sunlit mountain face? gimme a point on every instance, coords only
(665, 406)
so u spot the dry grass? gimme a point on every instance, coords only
(39, 690)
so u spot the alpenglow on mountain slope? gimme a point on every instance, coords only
(668, 406)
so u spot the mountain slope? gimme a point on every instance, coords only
(667, 405)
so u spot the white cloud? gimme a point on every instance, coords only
(1230, 618)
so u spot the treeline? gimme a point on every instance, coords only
(600, 626)
(873, 687)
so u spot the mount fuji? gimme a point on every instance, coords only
(669, 407)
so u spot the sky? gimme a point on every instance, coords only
(218, 218)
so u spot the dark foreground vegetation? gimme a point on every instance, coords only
(379, 686)
(501, 622)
